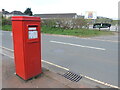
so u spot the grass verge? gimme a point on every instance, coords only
(76, 32)
(7, 27)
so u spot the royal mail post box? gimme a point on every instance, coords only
(27, 46)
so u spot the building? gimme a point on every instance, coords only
(7, 14)
(57, 15)
(80, 16)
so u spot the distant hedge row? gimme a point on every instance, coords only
(65, 23)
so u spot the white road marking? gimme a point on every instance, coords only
(97, 81)
(7, 49)
(6, 55)
(78, 45)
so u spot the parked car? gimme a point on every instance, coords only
(102, 25)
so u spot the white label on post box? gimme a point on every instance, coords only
(32, 28)
(33, 34)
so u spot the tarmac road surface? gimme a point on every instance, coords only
(93, 58)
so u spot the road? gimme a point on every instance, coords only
(94, 58)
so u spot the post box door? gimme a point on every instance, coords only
(33, 50)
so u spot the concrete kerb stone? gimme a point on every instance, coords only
(90, 38)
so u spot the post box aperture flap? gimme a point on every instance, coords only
(27, 46)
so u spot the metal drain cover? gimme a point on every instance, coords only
(72, 76)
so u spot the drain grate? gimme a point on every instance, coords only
(72, 76)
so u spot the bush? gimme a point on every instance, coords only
(65, 23)
(6, 21)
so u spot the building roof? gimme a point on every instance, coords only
(5, 12)
(80, 16)
(17, 13)
(57, 15)
(13, 12)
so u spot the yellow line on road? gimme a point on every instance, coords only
(100, 82)
(55, 65)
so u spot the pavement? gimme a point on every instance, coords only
(10, 80)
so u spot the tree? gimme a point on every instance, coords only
(28, 12)
(79, 22)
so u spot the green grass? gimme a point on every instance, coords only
(75, 32)
(6, 27)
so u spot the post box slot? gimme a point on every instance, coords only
(32, 32)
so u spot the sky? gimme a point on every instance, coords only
(105, 8)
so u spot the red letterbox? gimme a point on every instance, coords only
(27, 46)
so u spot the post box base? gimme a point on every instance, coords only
(35, 77)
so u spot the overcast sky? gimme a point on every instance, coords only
(105, 8)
